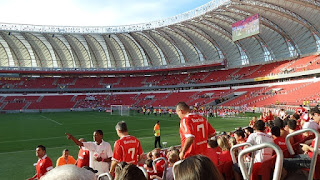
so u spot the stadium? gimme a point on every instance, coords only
(225, 57)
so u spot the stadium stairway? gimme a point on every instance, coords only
(3, 105)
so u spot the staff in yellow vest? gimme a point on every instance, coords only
(156, 131)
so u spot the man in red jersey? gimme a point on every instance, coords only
(194, 131)
(127, 148)
(83, 155)
(44, 163)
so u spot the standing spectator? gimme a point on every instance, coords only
(83, 155)
(65, 158)
(44, 163)
(259, 137)
(156, 130)
(127, 149)
(194, 131)
(100, 151)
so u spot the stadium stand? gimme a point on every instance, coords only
(191, 57)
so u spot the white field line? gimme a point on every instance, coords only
(77, 135)
(63, 147)
(51, 120)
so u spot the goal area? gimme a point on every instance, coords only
(121, 110)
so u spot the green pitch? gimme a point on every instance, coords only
(21, 133)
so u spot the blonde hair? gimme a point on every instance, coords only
(223, 143)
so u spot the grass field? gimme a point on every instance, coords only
(21, 133)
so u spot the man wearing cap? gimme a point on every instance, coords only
(100, 151)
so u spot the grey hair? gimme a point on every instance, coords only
(122, 126)
(69, 172)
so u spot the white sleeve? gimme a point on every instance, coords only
(250, 139)
(109, 150)
(89, 145)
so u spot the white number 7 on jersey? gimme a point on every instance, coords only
(131, 150)
(201, 126)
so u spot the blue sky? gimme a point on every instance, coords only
(92, 12)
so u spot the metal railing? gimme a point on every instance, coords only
(279, 159)
(234, 159)
(105, 174)
(315, 150)
(165, 166)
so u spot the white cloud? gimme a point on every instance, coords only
(89, 12)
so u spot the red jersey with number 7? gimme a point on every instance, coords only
(194, 125)
(127, 149)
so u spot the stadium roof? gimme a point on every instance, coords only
(288, 29)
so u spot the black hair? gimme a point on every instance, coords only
(41, 147)
(239, 133)
(259, 125)
(275, 131)
(292, 124)
(99, 132)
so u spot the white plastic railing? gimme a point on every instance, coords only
(279, 160)
(234, 159)
(105, 174)
(315, 150)
(165, 166)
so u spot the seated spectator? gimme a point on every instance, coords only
(148, 166)
(240, 136)
(69, 172)
(292, 126)
(213, 151)
(313, 123)
(279, 123)
(159, 164)
(172, 158)
(301, 160)
(252, 121)
(248, 131)
(225, 155)
(65, 158)
(260, 137)
(196, 168)
(126, 171)
(278, 140)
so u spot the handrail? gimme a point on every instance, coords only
(234, 159)
(279, 160)
(315, 150)
(105, 174)
(165, 166)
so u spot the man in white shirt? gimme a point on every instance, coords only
(259, 137)
(100, 151)
(313, 123)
